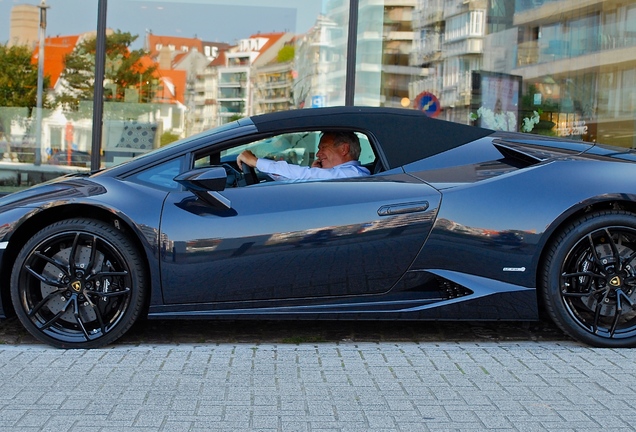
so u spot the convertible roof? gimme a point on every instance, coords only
(405, 135)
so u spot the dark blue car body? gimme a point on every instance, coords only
(455, 223)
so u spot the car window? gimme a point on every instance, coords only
(161, 175)
(297, 148)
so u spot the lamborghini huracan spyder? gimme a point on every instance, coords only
(454, 223)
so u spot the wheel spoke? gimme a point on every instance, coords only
(71, 255)
(629, 258)
(597, 314)
(106, 273)
(57, 316)
(91, 260)
(578, 274)
(100, 319)
(619, 313)
(109, 294)
(57, 263)
(631, 281)
(42, 302)
(78, 319)
(583, 294)
(43, 279)
(597, 260)
(615, 252)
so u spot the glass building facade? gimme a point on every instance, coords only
(171, 69)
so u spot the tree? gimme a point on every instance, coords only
(286, 54)
(18, 83)
(168, 138)
(127, 73)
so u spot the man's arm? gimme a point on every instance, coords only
(246, 157)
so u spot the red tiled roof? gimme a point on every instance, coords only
(220, 60)
(272, 38)
(178, 42)
(178, 58)
(55, 48)
(173, 83)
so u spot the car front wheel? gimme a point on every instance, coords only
(78, 283)
(589, 279)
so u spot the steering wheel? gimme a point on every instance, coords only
(249, 174)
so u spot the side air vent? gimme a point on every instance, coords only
(450, 290)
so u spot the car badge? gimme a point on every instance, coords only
(77, 286)
(615, 281)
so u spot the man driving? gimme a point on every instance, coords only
(337, 157)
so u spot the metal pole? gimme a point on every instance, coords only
(352, 43)
(38, 104)
(98, 94)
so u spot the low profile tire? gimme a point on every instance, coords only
(589, 279)
(78, 283)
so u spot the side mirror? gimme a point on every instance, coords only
(206, 183)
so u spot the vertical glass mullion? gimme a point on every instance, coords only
(352, 42)
(98, 95)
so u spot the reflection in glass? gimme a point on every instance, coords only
(32, 70)
(176, 68)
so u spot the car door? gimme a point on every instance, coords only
(294, 240)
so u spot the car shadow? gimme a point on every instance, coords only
(155, 332)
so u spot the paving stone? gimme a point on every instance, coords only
(505, 380)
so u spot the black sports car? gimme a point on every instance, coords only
(455, 223)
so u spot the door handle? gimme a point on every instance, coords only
(403, 208)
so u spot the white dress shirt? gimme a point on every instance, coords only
(281, 170)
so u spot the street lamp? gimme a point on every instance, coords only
(38, 105)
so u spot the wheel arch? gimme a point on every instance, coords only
(54, 214)
(618, 202)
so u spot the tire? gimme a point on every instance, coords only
(78, 283)
(589, 279)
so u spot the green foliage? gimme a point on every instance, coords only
(168, 138)
(286, 54)
(124, 71)
(19, 78)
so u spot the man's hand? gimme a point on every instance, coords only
(317, 164)
(247, 158)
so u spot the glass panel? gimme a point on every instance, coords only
(204, 63)
(552, 67)
(385, 41)
(37, 124)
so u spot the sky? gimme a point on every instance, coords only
(209, 20)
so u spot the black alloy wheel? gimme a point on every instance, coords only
(78, 283)
(589, 279)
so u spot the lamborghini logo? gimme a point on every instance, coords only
(77, 286)
(615, 281)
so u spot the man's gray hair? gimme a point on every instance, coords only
(343, 137)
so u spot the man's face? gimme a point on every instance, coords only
(331, 155)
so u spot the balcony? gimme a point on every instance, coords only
(532, 53)
(464, 47)
(233, 79)
(232, 93)
(231, 108)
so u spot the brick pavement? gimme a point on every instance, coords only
(336, 385)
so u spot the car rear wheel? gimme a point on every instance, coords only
(589, 279)
(78, 283)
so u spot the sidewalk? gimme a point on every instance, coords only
(344, 385)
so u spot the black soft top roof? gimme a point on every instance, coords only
(404, 135)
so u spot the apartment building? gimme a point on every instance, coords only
(574, 60)
(450, 45)
(577, 60)
(273, 84)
